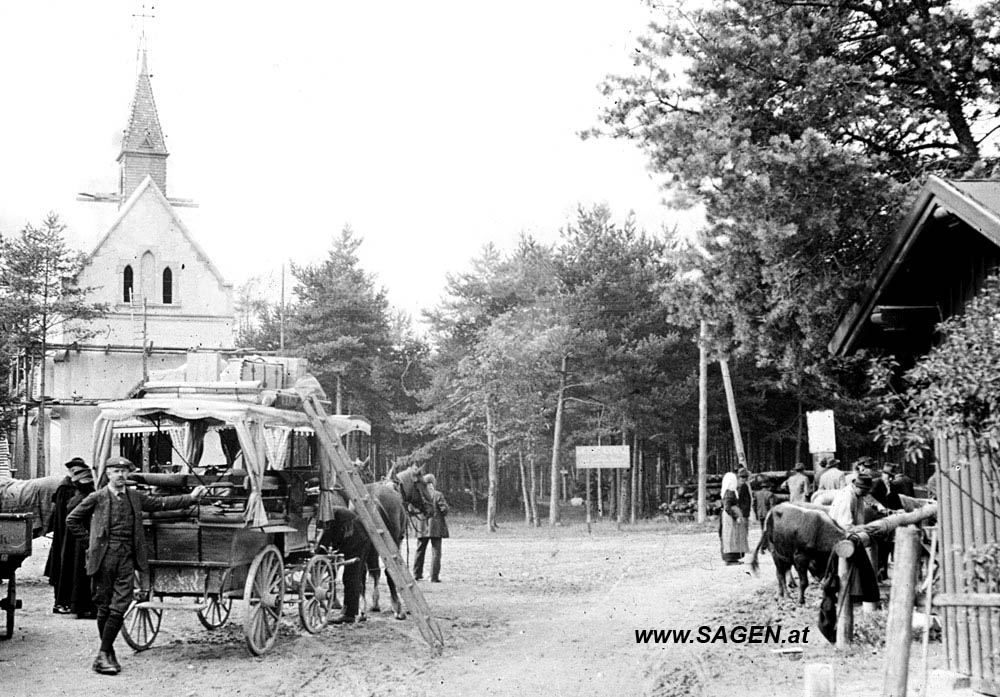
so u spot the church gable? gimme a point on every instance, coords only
(148, 253)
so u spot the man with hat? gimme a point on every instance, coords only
(111, 519)
(848, 506)
(862, 464)
(431, 529)
(798, 485)
(65, 566)
(832, 478)
(884, 490)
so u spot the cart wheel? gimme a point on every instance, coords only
(10, 605)
(264, 595)
(316, 594)
(140, 626)
(216, 612)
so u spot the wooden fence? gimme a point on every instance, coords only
(968, 496)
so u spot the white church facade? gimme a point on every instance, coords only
(165, 300)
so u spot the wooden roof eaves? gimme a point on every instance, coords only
(892, 259)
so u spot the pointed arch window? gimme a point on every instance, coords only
(127, 284)
(168, 286)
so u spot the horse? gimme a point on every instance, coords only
(31, 496)
(392, 497)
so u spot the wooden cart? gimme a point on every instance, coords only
(15, 547)
(253, 537)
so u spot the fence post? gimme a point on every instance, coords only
(899, 626)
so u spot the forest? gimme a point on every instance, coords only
(803, 129)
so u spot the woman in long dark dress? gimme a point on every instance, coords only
(66, 566)
(734, 516)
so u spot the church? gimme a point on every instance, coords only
(168, 305)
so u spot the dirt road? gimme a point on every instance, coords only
(524, 612)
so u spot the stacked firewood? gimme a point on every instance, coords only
(683, 504)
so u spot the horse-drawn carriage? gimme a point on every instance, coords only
(253, 535)
(271, 460)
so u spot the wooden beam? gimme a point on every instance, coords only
(966, 600)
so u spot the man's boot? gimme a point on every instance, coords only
(111, 629)
(102, 619)
(103, 664)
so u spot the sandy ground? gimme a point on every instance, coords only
(524, 612)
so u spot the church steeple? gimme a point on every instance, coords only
(143, 149)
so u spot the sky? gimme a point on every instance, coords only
(432, 128)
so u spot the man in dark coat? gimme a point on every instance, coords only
(884, 489)
(111, 520)
(67, 564)
(345, 533)
(431, 529)
(903, 484)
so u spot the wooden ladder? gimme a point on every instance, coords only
(364, 505)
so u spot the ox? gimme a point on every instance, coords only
(799, 535)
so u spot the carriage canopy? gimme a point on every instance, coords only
(262, 431)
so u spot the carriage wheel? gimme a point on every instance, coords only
(216, 612)
(10, 604)
(264, 595)
(316, 594)
(140, 626)
(218, 608)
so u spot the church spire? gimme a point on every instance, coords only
(143, 149)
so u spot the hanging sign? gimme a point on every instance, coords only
(602, 457)
(822, 438)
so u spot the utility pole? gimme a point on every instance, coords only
(703, 422)
(727, 382)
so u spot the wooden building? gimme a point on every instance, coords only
(939, 259)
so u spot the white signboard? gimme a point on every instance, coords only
(602, 457)
(822, 438)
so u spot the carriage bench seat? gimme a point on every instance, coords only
(218, 515)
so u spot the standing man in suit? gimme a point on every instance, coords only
(798, 485)
(431, 529)
(111, 520)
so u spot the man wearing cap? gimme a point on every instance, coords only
(66, 565)
(431, 529)
(111, 520)
(798, 485)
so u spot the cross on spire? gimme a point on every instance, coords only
(143, 16)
